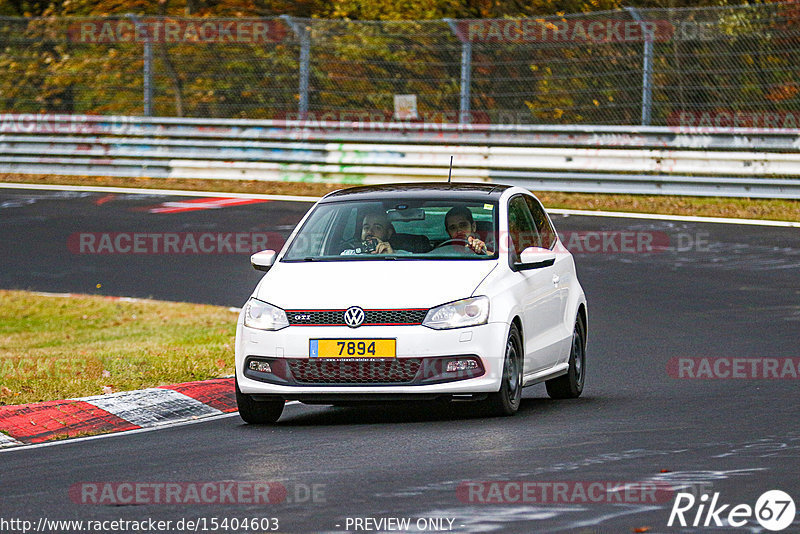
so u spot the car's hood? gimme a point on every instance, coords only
(370, 284)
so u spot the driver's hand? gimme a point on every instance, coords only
(477, 246)
(384, 248)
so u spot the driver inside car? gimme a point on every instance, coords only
(460, 225)
(376, 230)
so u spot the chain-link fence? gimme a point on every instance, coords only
(710, 67)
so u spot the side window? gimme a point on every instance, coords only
(340, 229)
(349, 230)
(315, 233)
(543, 226)
(521, 228)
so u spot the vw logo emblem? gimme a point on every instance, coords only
(353, 316)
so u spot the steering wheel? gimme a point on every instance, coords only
(345, 244)
(453, 242)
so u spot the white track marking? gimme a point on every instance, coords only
(685, 218)
(153, 406)
(8, 441)
(290, 198)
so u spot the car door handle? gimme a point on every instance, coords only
(556, 279)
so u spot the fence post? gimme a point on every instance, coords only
(148, 78)
(647, 69)
(466, 73)
(302, 33)
(147, 72)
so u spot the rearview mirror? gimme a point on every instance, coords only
(406, 214)
(262, 261)
(535, 258)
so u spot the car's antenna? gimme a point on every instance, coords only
(449, 174)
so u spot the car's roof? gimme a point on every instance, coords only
(419, 190)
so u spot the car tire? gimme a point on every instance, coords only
(507, 400)
(258, 412)
(570, 385)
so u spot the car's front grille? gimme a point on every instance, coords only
(322, 371)
(371, 317)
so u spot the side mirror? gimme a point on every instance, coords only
(535, 258)
(262, 261)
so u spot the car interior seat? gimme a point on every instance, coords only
(419, 244)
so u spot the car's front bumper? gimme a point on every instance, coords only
(288, 351)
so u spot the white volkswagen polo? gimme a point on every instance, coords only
(413, 292)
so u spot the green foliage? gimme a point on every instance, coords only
(54, 347)
(741, 59)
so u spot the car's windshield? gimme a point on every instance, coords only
(435, 229)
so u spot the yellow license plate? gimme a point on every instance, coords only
(352, 348)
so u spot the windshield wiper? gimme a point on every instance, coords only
(309, 258)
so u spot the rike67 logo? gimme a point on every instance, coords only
(774, 511)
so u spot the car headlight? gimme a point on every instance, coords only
(458, 314)
(259, 314)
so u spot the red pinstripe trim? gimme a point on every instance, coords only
(365, 309)
(362, 324)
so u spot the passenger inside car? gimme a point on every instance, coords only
(462, 229)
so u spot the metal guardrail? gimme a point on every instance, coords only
(740, 162)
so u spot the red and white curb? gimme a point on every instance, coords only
(128, 410)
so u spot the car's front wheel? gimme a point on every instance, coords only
(507, 400)
(258, 412)
(570, 385)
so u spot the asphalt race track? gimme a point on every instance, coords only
(718, 291)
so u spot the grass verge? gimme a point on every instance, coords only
(54, 347)
(744, 208)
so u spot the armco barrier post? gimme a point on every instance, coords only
(147, 98)
(647, 69)
(466, 72)
(303, 33)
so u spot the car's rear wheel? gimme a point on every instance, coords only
(258, 412)
(570, 385)
(507, 400)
